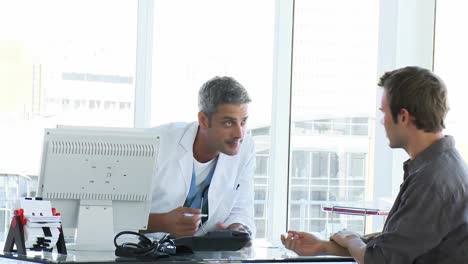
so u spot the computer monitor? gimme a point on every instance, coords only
(100, 180)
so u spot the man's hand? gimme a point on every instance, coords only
(175, 222)
(368, 237)
(345, 238)
(352, 242)
(306, 244)
(303, 243)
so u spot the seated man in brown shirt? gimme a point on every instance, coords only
(428, 222)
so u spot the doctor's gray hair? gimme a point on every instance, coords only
(218, 91)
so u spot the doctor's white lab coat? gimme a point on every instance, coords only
(231, 193)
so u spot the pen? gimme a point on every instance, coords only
(190, 214)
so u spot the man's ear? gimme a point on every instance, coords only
(405, 116)
(203, 120)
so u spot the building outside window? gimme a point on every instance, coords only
(57, 68)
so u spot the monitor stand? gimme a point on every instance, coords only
(95, 227)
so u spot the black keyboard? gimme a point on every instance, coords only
(225, 240)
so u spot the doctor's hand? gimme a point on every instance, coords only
(235, 226)
(180, 225)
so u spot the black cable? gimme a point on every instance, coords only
(145, 248)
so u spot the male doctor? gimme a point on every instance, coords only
(204, 179)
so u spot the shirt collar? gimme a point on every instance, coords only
(427, 155)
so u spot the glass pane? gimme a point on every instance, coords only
(61, 63)
(333, 103)
(316, 225)
(450, 56)
(357, 165)
(317, 212)
(320, 165)
(210, 38)
(295, 210)
(261, 165)
(300, 164)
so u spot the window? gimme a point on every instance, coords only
(59, 68)
(450, 55)
(216, 38)
(334, 67)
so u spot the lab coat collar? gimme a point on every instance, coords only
(185, 152)
(188, 138)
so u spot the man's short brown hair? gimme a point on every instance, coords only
(422, 93)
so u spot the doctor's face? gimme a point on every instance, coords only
(227, 128)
